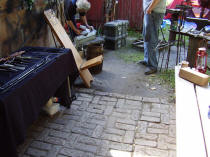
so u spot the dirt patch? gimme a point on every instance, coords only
(127, 77)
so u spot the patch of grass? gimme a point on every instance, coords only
(168, 76)
(165, 31)
(134, 33)
(208, 71)
(131, 57)
(129, 53)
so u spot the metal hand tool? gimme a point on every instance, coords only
(15, 66)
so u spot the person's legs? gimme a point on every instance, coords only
(152, 61)
(146, 35)
(72, 33)
(151, 42)
(156, 20)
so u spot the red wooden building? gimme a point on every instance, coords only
(126, 9)
(132, 10)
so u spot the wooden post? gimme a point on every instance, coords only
(194, 44)
(109, 7)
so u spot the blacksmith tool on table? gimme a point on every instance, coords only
(13, 66)
(27, 57)
(11, 56)
(200, 22)
(16, 79)
(8, 68)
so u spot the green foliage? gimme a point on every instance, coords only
(208, 63)
(131, 57)
(208, 71)
(29, 4)
(134, 33)
(130, 54)
(165, 31)
(208, 51)
(99, 30)
(168, 76)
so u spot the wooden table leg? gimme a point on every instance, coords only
(194, 44)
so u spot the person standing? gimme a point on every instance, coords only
(154, 11)
(71, 8)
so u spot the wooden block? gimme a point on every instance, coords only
(92, 62)
(184, 64)
(53, 109)
(194, 76)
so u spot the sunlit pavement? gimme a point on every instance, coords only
(103, 124)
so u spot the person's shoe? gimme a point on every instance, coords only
(142, 62)
(149, 71)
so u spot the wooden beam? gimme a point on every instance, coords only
(65, 41)
(194, 76)
(92, 62)
(194, 44)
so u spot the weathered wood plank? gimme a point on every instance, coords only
(92, 62)
(203, 97)
(194, 76)
(194, 44)
(65, 41)
(189, 135)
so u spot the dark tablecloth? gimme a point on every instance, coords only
(21, 104)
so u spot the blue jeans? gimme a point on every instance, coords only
(151, 25)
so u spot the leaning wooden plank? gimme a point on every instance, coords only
(203, 94)
(189, 135)
(65, 41)
(194, 76)
(92, 62)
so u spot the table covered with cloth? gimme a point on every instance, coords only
(21, 104)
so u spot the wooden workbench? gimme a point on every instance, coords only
(195, 42)
(192, 123)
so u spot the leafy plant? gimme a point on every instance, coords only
(129, 54)
(134, 33)
(131, 57)
(168, 76)
(208, 71)
(29, 4)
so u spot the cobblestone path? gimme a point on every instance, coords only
(103, 124)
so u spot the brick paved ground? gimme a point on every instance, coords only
(105, 125)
